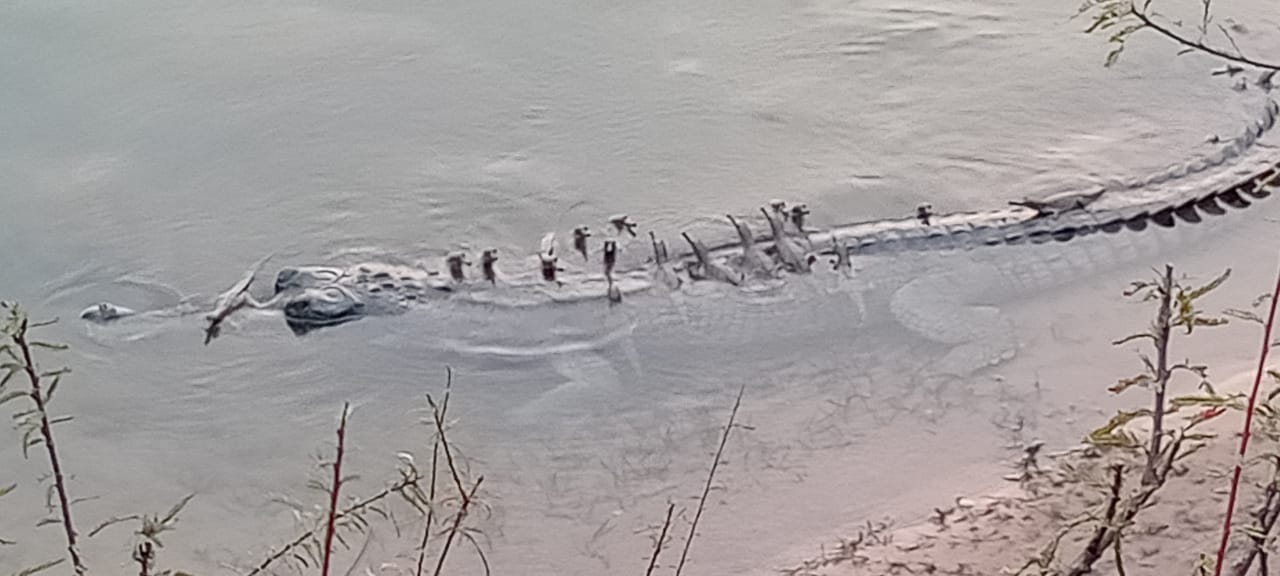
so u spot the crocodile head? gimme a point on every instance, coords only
(104, 312)
(319, 307)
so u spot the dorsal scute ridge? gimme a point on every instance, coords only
(1232, 150)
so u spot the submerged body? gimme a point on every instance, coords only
(905, 271)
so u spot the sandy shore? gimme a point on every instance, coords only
(1012, 530)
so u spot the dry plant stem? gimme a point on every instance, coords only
(657, 548)
(1162, 329)
(46, 432)
(467, 497)
(431, 510)
(1200, 46)
(144, 555)
(352, 509)
(444, 443)
(1248, 428)
(1160, 458)
(435, 462)
(1099, 543)
(706, 490)
(333, 491)
(1264, 521)
(1109, 534)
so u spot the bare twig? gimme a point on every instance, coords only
(1167, 32)
(706, 490)
(334, 489)
(144, 555)
(467, 497)
(19, 336)
(1161, 332)
(435, 462)
(1177, 309)
(662, 537)
(409, 480)
(436, 414)
(1248, 427)
(1103, 535)
(1264, 522)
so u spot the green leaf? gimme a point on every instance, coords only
(12, 396)
(1208, 401)
(176, 508)
(1111, 435)
(7, 489)
(111, 522)
(48, 345)
(1243, 315)
(41, 568)
(28, 441)
(1133, 337)
(1197, 293)
(1113, 56)
(1123, 384)
(48, 395)
(1098, 22)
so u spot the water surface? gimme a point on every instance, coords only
(152, 151)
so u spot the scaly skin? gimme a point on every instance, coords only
(961, 265)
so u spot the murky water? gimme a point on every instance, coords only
(152, 151)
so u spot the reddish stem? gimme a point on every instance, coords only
(46, 431)
(1248, 428)
(333, 493)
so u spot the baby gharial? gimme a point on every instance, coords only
(104, 312)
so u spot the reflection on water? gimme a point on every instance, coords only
(157, 149)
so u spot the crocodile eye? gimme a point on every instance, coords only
(297, 307)
(285, 278)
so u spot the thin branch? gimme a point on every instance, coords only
(1101, 541)
(657, 547)
(1197, 45)
(444, 442)
(111, 522)
(412, 477)
(1248, 428)
(435, 463)
(1232, 40)
(706, 490)
(1264, 521)
(1163, 327)
(437, 413)
(334, 489)
(457, 524)
(144, 555)
(19, 337)
(1120, 512)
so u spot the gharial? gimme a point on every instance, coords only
(947, 303)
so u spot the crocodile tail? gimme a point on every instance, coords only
(1228, 152)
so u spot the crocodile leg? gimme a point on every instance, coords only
(936, 307)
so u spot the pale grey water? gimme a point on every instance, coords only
(174, 144)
